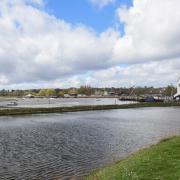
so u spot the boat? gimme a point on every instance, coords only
(12, 104)
(152, 99)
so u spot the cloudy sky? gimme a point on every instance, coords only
(68, 43)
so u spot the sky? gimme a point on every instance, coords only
(101, 43)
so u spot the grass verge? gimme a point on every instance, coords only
(159, 162)
(24, 111)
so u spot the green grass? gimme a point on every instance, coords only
(159, 162)
(24, 111)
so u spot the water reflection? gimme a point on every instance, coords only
(73, 144)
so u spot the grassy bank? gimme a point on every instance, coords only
(160, 162)
(24, 111)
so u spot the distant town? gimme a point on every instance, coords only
(87, 91)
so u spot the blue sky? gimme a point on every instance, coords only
(84, 12)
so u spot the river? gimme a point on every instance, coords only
(71, 145)
(61, 102)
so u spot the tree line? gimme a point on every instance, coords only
(88, 91)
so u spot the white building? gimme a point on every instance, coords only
(29, 96)
(177, 95)
(105, 93)
(66, 95)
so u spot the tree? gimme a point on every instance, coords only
(47, 92)
(169, 90)
(87, 90)
(50, 92)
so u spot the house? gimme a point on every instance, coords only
(105, 93)
(74, 95)
(66, 95)
(98, 93)
(29, 96)
(111, 93)
(177, 95)
(70, 95)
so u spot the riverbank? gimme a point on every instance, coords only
(26, 111)
(161, 161)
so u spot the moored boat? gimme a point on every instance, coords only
(12, 104)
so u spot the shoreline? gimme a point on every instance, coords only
(29, 111)
(158, 160)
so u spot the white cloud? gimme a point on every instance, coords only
(101, 3)
(36, 46)
(38, 2)
(152, 31)
(3, 79)
(145, 74)
(37, 49)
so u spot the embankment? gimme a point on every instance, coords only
(161, 161)
(24, 111)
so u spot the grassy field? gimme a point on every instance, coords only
(24, 111)
(159, 162)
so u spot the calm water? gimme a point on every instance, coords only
(72, 145)
(59, 102)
